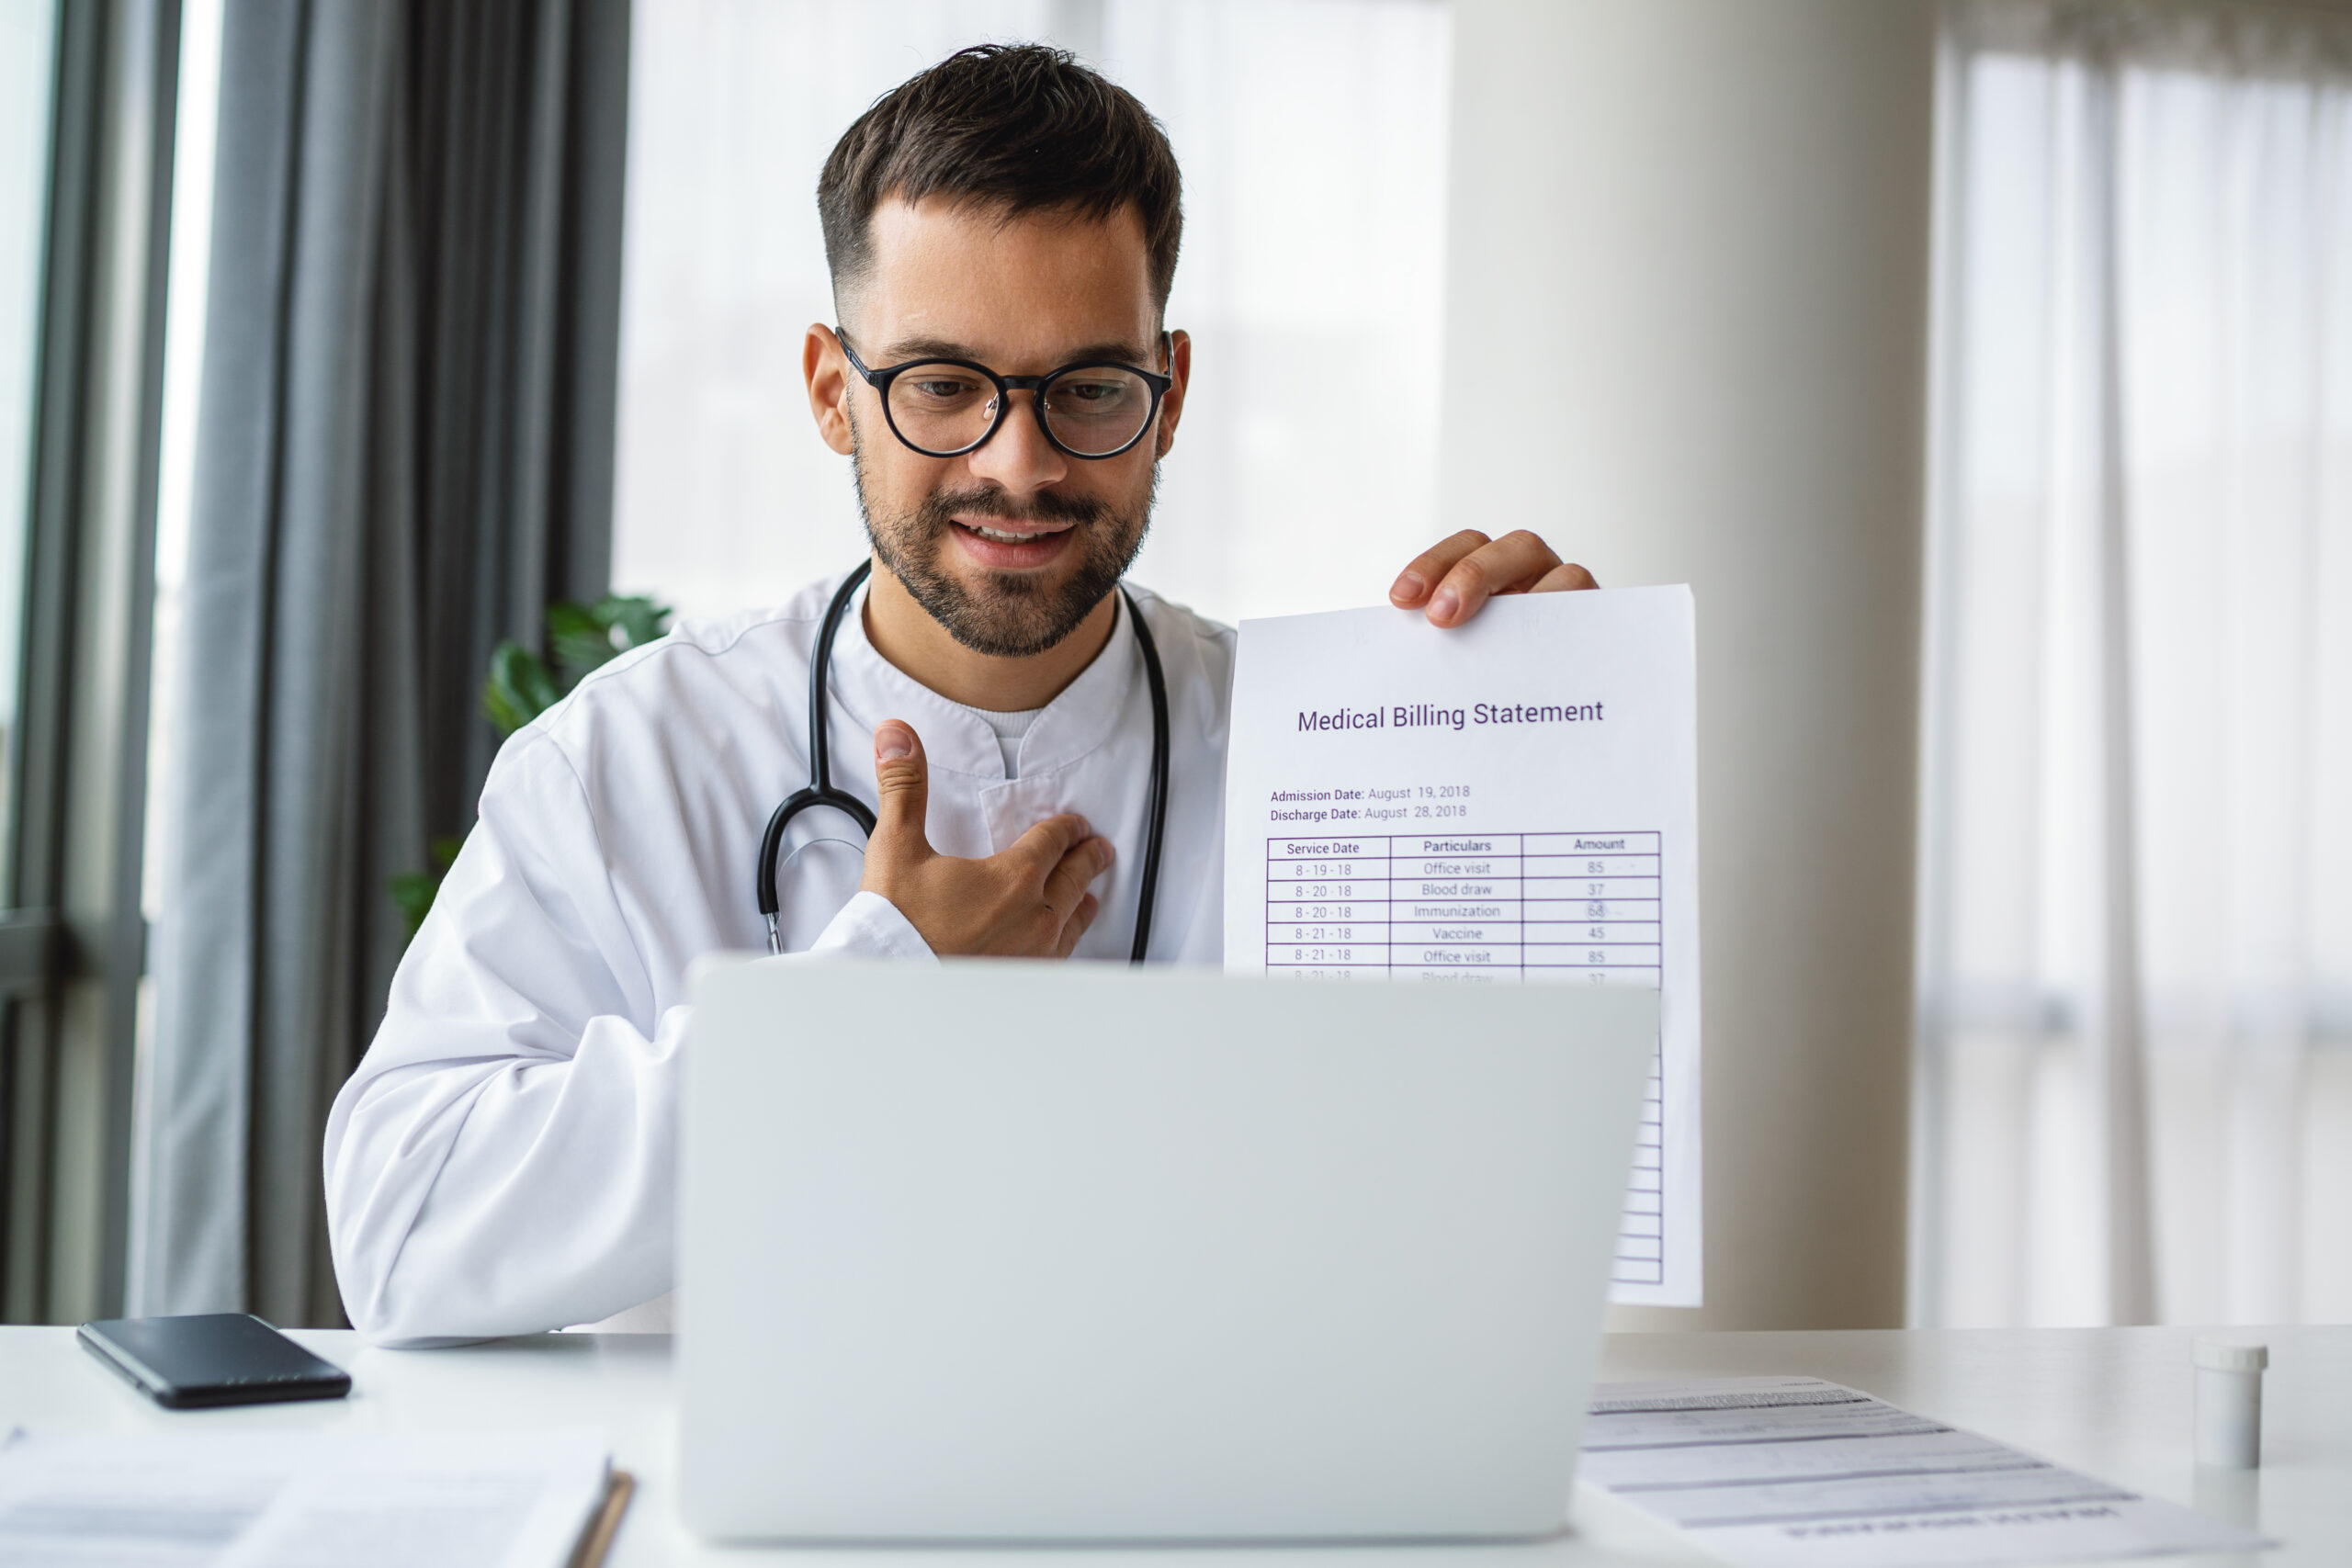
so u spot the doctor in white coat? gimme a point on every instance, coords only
(504, 1159)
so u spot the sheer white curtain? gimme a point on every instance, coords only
(2135, 977)
(1312, 137)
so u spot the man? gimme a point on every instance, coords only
(504, 1159)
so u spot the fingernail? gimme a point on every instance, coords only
(892, 743)
(1408, 586)
(1104, 854)
(1446, 605)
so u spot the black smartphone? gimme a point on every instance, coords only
(210, 1358)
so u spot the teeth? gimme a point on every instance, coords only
(1000, 536)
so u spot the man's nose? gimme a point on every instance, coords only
(1018, 456)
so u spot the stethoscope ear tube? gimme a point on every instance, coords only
(821, 790)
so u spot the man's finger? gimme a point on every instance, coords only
(901, 785)
(1044, 845)
(1513, 563)
(1415, 583)
(1067, 885)
(1566, 577)
(1079, 920)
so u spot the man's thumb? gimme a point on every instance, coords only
(901, 781)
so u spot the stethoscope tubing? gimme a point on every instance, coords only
(819, 790)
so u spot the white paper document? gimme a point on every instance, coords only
(278, 1500)
(1513, 800)
(1795, 1473)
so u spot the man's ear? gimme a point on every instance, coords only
(826, 369)
(1180, 372)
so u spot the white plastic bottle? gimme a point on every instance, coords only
(2229, 1402)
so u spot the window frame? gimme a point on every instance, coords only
(72, 937)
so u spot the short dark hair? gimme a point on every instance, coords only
(1020, 128)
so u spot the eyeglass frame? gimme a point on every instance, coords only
(1005, 386)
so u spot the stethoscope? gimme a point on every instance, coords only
(821, 790)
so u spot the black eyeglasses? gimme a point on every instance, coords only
(944, 407)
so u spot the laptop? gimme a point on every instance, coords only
(998, 1251)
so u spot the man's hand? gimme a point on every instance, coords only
(1029, 902)
(1458, 575)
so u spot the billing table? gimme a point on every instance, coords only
(2113, 1402)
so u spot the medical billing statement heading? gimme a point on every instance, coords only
(1512, 802)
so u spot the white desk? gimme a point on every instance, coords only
(2112, 1402)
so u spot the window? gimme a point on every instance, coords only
(28, 60)
(1304, 473)
(2135, 977)
(85, 152)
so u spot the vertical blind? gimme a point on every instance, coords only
(402, 412)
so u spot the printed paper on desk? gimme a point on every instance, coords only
(1795, 1473)
(1513, 800)
(197, 1494)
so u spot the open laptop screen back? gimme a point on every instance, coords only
(1019, 1251)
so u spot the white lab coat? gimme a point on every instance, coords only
(504, 1160)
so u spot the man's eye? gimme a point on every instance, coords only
(942, 391)
(1090, 391)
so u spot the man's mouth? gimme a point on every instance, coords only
(1016, 534)
(1010, 544)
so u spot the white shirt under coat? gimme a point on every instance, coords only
(504, 1160)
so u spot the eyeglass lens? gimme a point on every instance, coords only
(1092, 411)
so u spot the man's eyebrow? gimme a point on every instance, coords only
(1111, 354)
(906, 348)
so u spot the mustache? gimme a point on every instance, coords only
(943, 506)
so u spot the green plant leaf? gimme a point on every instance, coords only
(635, 620)
(414, 891)
(519, 688)
(579, 640)
(583, 636)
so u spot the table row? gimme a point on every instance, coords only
(1384, 845)
(1570, 866)
(1606, 934)
(1570, 964)
(1528, 886)
(1412, 907)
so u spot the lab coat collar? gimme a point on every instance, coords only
(869, 688)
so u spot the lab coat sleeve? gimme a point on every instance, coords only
(504, 1161)
(869, 926)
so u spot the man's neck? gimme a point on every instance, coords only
(903, 632)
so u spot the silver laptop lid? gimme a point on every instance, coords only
(1000, 1251)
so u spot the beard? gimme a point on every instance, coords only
(1011, 614)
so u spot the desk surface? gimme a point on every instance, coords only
(2114, 1402)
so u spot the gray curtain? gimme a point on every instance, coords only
(403, 453)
